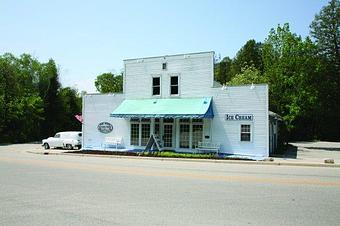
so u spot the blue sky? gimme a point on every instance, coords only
(87, 38)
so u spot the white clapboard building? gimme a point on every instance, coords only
(174, 100)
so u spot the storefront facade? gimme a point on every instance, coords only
(176, 98)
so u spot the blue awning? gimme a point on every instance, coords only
(165, 108)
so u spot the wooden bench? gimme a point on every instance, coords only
(208, 147)
(113, 141)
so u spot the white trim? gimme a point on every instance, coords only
(267, 119)
(172, 55)
(251, 132)
(160, 85)
(82, 124)
(178, 85)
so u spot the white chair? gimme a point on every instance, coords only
(117, 141)
(207, 147)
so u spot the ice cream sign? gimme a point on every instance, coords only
(239, 117)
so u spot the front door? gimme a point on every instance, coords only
(167, 135)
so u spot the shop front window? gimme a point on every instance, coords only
(145, 134)
(184, 136)
(197, 134)
(134, 136)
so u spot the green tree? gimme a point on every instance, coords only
(249, 55)
(109, 83)
(71, 106)
(223, 70)
(52, 103)
(292, 68)
(325, 30)
(248, 75)
(22, 107)
(8, 90)
(33, 103)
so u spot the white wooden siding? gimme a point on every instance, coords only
(97, 109)
(195, 73)
(243, 100)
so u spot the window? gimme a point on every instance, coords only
(157, 127)
(134, 138)
(245, 133)
(57, 135)
(145, 134)
(140, 131)
(164, 66)
(197, 132)
(184, 135)
(156, 86)
(169, 120)
(197, 120)
(156, 130)
(173, 85)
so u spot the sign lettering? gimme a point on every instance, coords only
(105, 127)
(239, 117)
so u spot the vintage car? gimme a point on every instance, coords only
(68, 140)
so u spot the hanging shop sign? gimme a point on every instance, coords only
(105, 127)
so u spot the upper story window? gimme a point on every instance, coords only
(173, 85)
(245, 133)
(164, 66)
(156, 86)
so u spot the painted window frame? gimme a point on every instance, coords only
(166, 66)
(186, 122)
(250, 132)
(140, 122)
(160, 85)
(178, 84)
(196, 122)
(135, 122)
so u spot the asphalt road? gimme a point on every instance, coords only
(72, 190)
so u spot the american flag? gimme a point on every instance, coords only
(79, 118)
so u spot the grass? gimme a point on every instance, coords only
(171, 154)
(161, 154)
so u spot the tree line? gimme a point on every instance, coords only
(33, 103)
(303, 75)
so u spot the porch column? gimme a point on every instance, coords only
(177, 133)
(152, 126)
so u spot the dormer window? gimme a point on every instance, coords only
(164, 66)
(156, 86)
(174, 85)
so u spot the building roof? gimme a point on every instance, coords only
(173, 55)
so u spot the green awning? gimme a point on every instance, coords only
(165, 108)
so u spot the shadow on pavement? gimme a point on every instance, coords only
(323, 148)
(289, 153)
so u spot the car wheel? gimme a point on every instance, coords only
(46, 146)
(69, 147)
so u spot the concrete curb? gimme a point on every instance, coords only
(225, 161)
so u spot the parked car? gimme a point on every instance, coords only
(67, 140)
